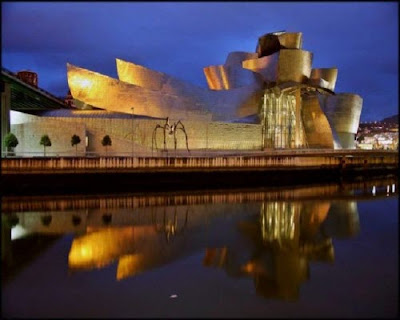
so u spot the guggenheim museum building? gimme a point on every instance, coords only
(269, 99)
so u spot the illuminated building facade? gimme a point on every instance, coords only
(268, 99)
(275, 87)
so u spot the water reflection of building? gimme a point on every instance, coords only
(272, 241)
(286, 238)
(274, 247)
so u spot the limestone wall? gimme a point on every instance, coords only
(60, 134)
(201, 135)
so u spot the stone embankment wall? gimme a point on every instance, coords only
(179, 164)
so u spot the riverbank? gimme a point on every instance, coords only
(102, 174)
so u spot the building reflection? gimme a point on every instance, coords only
(137, 248)
(284, 239)
(272, 241)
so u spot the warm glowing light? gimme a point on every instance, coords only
(85, 252)
(99, 248)
(84, 83)
(373, 190)
(249, 267)
(129, 265)
(18, 232)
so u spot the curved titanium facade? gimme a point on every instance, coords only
(216, 77)
(225, 105)
(178, 101)
(101, 91)
(294, 65)
(236, 58)
(307, 114)
(284, 66)
(229, 77)
(343, 111)
(291, 40)
(316, 126)
(140, 76)
(157, 81)
(266, 66)
(232, 75)
(273, 42)
(329, 75)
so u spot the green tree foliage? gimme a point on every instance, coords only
(106, 141)
(75, 140)
(10, 141)
(45, 142)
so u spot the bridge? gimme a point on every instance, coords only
(18, 95)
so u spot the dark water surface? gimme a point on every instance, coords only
(309, 251)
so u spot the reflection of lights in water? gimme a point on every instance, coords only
(248, 267)
(278, 221)
(373, 190)
(18, 232)
(85, 251)
(393, 188)
(129, 265)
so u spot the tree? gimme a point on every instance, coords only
(45, 142)
(10, 141)
(75, 140)
(106, 141)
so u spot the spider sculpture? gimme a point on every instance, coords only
(171, 130)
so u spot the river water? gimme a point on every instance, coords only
(305, 251)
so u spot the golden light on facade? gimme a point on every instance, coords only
(84, 83)
(311, 117)
(318, 131)
(328, 75)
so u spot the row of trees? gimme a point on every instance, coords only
(11, 141)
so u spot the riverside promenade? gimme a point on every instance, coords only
(184, 170)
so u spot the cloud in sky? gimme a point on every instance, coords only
(359, 38)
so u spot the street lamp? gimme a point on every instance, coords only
(133, 128)
(263, 121)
